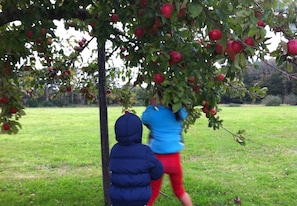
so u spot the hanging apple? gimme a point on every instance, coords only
(29, 34)
(13, 110)
(114, 18)
(191, 79)
(292, 47)
(215, 34)
(159, 78)
(175, 57)
(139, 32)
(167, 10)
(219, 48)
(229, 50)
(213, 111)
(68, 88)
(143, 4)
(236, 46)
(6, 126)
(249, 41)
(3, 100)
(181, 13)
(261, 23)
(220, 77)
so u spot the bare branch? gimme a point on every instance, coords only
(293, 75)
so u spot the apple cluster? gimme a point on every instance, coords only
(10, 108)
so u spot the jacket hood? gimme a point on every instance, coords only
(128, 129)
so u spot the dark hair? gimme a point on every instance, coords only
(159, 92)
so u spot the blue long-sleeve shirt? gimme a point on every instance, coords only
(166, 131)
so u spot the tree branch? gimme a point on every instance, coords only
(14, 14)
(293, 75)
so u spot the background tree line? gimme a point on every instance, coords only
(280, 87)
(265, 74)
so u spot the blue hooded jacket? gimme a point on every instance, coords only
(132, 164)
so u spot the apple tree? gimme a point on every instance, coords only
(194, 51)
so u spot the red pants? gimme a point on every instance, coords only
(172, 167)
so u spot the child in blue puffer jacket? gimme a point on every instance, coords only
(132, 164)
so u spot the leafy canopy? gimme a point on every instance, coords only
(165, 45)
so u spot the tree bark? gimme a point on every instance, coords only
(103, 122)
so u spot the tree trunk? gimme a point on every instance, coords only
(103, 122)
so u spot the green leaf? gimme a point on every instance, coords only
(176, 106)
(195, 9)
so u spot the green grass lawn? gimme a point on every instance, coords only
(56, 158)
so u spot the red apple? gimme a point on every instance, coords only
(230, 52)
(215, 34)
(114, 18)
(191, 79)
(108, 91)
(84, 90)
(220, 77)
(81, 43)
(143, 4)
(29, 34)
(219, 48)
(249, 41)
(196, 88)
(67, 72)
(213, 111)
(49, 41)
(175, 57)
(292, 47)
(13, 110)
(92, 24)
(157, 22)
(181, 13)
(261, 23)
(167, 10)
(139, 32)
(68, 88)
(237, 46)
(4, 100)
(39, 40)
(159, 78)
(258, 14)
(205, 109)
(6, 126)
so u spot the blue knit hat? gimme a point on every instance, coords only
(128, 129)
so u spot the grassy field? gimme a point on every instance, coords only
(55, 159)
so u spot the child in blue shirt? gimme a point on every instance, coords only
(166, 142)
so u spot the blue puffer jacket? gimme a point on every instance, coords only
(132, 164)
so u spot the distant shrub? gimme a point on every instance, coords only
(290, 99)
(31, 103)
(48, 104)
(271, 100)
(234, 105)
